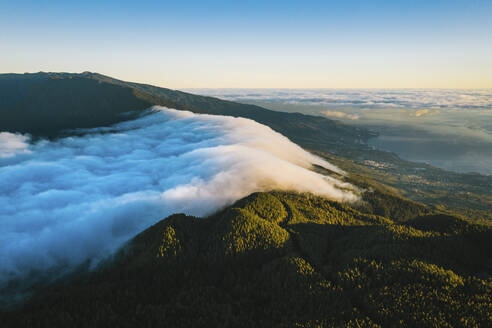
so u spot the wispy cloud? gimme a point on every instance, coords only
(341, 115)
(422, 112)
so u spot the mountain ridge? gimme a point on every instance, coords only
(282, 259)
(54, 102)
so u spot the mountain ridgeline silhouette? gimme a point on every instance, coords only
(46, 104)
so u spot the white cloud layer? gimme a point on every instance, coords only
(80, 198)
(364, 98)
(12, 144)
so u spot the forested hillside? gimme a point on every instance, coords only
(283, 259)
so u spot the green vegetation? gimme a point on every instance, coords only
(284, 259)
(469, 195)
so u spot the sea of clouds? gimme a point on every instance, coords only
(447, 128)
(365, 98)
(79, 198)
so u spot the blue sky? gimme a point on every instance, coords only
(293, 44)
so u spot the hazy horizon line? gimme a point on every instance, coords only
(161, 85)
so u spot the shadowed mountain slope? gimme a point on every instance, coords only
(282, 259)
(45, 104)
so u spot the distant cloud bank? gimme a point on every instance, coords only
(422, 112)
(364, 98)
(335, 114)
(80, 198)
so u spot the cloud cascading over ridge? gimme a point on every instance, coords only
(80, 198)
